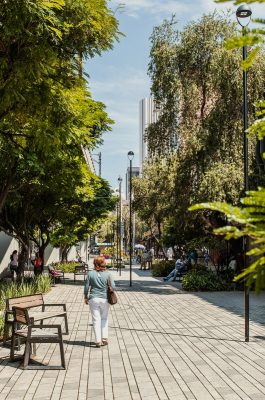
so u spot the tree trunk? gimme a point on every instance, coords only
(22, 260)
(158, 240)
(41, 254)
(7, 185)
(65, 250)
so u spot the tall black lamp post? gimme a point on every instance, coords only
(130, 157)
(117, 236)
(113, 243)
(119, 224)
(243, 14)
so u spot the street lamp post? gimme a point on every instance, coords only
(119, 224)
(117, 236)
(243, 14)
(130, 157)
(113, 243)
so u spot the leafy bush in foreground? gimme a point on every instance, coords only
(205, 281)
(163, 267)
(66, 267)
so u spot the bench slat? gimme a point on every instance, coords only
(45, 315)
(25, 301)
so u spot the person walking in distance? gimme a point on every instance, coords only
(95, 293)
(38, 265)
(14, 264)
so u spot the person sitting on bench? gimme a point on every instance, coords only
(179, 268)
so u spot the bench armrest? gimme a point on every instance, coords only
(54, 305)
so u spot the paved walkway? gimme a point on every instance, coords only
(164, 344)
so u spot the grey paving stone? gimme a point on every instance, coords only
(163, 344)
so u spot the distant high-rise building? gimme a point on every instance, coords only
(148, 114)
(88, 158)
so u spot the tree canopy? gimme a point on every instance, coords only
(197, 87)
(47, 115)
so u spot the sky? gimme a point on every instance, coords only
(119, 77)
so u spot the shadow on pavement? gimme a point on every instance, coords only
(81, 343)
(147, 286)
(234, 302)
(179, 334)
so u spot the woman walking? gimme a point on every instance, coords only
(96, 285)
(14, 264)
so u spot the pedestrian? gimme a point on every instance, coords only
(144, 260)
(150, 259)
(180, 267)
(95, 293)
(14, 264)
(38, 265)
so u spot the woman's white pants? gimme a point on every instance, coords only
(100, 310)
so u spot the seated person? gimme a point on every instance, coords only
(179, 267)
(54, 273)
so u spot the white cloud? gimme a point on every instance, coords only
(184, 9)
(121, 83)
(121, 93)
(166, 7)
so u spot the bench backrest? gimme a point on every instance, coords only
(33, 300)
(80, 269)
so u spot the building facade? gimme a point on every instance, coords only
(148, 114)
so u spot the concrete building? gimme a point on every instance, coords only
(88, 157)
(148, 114)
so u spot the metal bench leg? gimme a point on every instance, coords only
(66, 325)
(33, 350)
(26, 355)
(62, 353)
(12, 350)
(61, 347)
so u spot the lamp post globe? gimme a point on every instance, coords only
(243, 15)
(130, 155)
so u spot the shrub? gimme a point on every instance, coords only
(205, 280)
(66, 267)
(163, 267)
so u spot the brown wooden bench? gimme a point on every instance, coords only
(32, 334)
(30, 302)
(81, 270)
(55, 274)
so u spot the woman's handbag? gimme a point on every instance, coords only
(111, 295)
